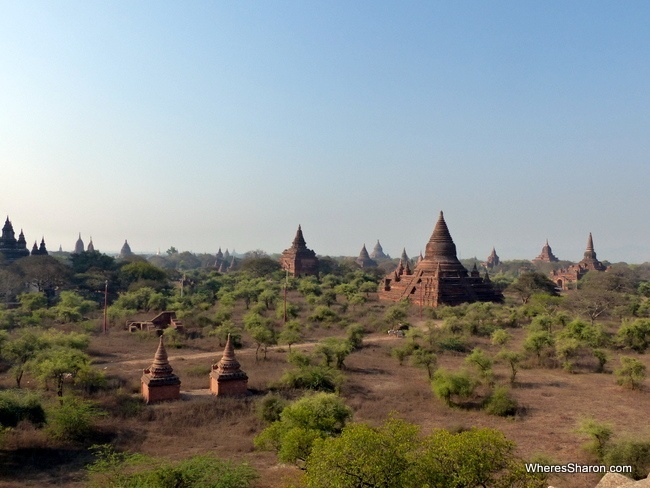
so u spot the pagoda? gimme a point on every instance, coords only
(364, 259)
(159, 383)
(378, 252)
(126, 250)
(546, 255)
(10, 247)
(298, 260)
(492, 260)
(79, 245)
(565, 278)
(439, 278)
(226, 377)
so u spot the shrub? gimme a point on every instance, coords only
(635, 335)
(270, 407)
(18, 405)
(630, 453)
(600, 434)
(447, 384)
(320, 378)
(631, 374)
(72, 419)
(501, 402)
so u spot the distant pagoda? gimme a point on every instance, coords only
(378, 252)
(565, 278)
(492, 260)
(10, 247)
(364, 259)
(298, 260)
(546, 256)
(79, 245)
(159, 383)
(439, 278)
(226, 377)
(126, 250)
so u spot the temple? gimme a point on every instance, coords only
(159, 383)
(364, 259)
(567, 277)
(492, 260)
(546, 255)
(126, 250)
(439, 278)
(226, 377)
(39, 250)
(12, 248)
(298, 260)
(79, 245)
(378, 252)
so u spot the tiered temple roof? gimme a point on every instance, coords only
(566, 277)
(492, 260)
(364, 259)
(10, 247)
(159, 383)
(439, 278)
(227, 377)
(378, 252)
(546, 255)
(298, 260)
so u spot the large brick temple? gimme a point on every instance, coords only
(439, 278)
(567, 278)
(298, 260)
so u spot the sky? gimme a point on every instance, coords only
(207, 124)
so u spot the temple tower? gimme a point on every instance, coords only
(159, 383)
(364, 259)
(10, 247)
(378, 252)
(226, 377)
(79, 245)
(91, 246)
(492, 260)
(126, 250)
(546, 256)
(439, 278)
(298, 260)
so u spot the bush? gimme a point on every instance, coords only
(113, 470)
(319, 378)
(270, 407)
(18, 405)
(501, 402)
(446, 385)
(630, 453)
(72, 419)
(631, 374)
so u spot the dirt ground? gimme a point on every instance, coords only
(553, 403)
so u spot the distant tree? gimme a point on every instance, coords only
(512, 359)
(21, 350)
(44, 273)
(57, 363)
(131, 273)
(529, 284)
(259, 266)
(635, 335)
(426, 359)
(631, 374)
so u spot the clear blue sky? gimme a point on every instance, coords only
(206, 124)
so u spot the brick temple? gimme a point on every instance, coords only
(298, 260)
(439, 278)
(226, 377)
(159, 383)
(546, 256)
(566, 278)
(492, 260)
(364, 260)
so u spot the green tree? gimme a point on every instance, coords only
(635, 335)
(529, 284)
(482, 362)
(312, 417)
(537, 342)
(425, 358)
(21, 350)
(600, 434)
(631, 374)
(446, 385)
(512, 359)
(57, 363)
(333, 350)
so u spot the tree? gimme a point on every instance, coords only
(44, 273)
(447, 384)
(425, 358)
(512, 359)
(263, 337)
(531, 283)
(57, 363)
(133, 272)
(21, 350)
(631, 374)
(334, 350)
(593, 303)
(482, 363)
(635, 335)
(537, 342)
(312, 417)
(394, 455)
(364, 456)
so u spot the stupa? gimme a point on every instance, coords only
(159, 383)
(492, 260)
(364, 259)
(439, 278)
(298, 260)
(378, 252)
(226, 377)
(10, 247)
(546, 256)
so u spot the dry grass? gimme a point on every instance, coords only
(553, 402)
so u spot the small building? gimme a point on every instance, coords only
(159, 383)
(160, 322)
(226, 377)
(298, 260)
